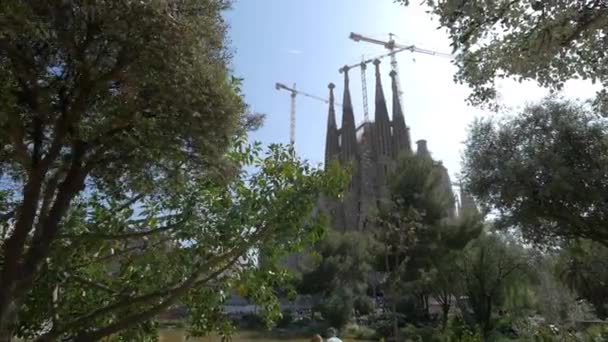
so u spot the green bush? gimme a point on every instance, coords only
(383, 323)
(505, 327)
(252, 321)
(411, 311)
(458, 330)
(364, 305)
(553, 333)
(337, 311)
(597, 333)
(286, 318)
(421, 334)
(359, 332)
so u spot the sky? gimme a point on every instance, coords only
(306, 41)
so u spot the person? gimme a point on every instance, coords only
(332, 335)
(316, 338)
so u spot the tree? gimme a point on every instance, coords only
(554, 300)
(395, 234)
(123, 189)
(341, 274)
(409, 225)
(488, 267)
(583, 267)
(419, 193)
(418, 203)
(344, 262)
(111, 271)
(441, 280)
(544, 170)
(546, 41)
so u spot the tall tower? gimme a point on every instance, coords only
(332, 143)
(401, 134)
(348, 135)
(382, 146)
(372, 150)
(382, 141)
(467, 203)
(349, 155)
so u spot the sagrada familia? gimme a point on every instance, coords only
(373, 149)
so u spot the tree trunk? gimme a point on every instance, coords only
(13, 248)
(445, 307)
(394, 297)
(21, 266)
(395, 321)
(487, 323)
(6, 331)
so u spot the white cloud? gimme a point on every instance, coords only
(293, 51)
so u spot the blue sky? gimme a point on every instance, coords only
(306, 42)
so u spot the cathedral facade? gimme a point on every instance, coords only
(372, 149)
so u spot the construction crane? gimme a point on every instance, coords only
(292, 113)
(394, 48)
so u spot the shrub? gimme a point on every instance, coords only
(458, 330)
(252, 321)
(421, 334)
(360, 332)
(337, 311)
(408, 307)
(286, 318)
(597, 333)
(364, 305)
(383, 323)
(505, 327)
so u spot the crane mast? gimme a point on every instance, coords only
(364, 90)
(292, 110)
(292, 117)
(395, 66)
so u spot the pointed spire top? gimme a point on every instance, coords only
(347, 102)
(332, 145)
(331, 120)
(348, 145)
(383, 124)
(379, 91)
(345, 71)
(380, 102)
(401, 135)
(395, 89)
(377, 66)
(422, 149)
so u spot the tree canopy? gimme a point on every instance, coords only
(488, 267)
(344, 262)
(546, 41)
(582, 266)
(122, 169)
(544, 170)
(416, 230)
(339, 279)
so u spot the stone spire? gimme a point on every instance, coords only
(467, 203)
(421, 149)
(348, 145)
(401, 134)
(446, 184)
(332, 145)
(382, 122)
